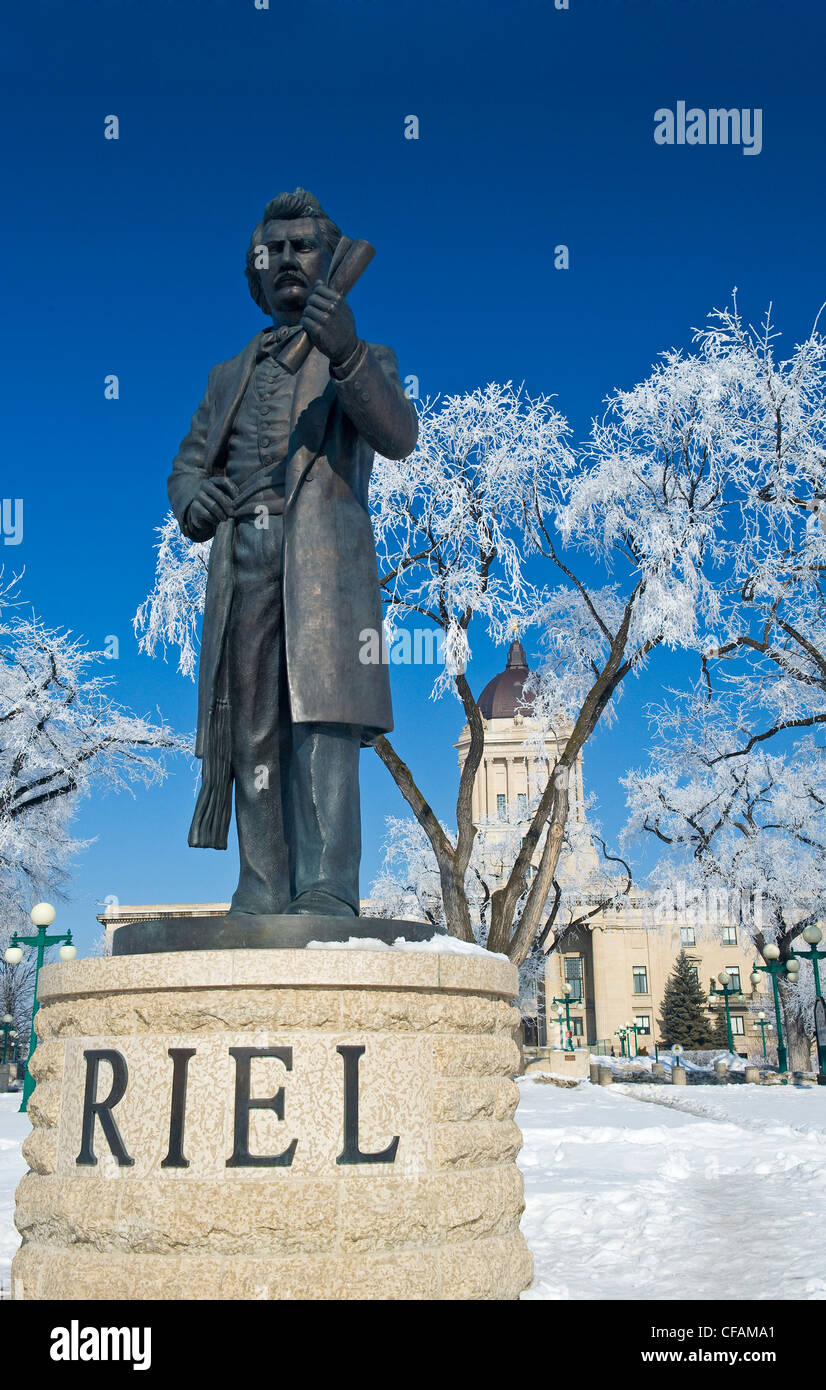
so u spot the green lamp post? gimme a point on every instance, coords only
(820, 1038)
(621, 1034)
(566, 1000)
(633, 1030)
(764, 1028)
(559, 1012)
(775, 968)
(6, 1025)
(42, 915)
(813, 935)
(725, 980)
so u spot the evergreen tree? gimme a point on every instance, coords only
(684, 1018)
(719, 1032)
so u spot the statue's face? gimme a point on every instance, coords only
(298, 256)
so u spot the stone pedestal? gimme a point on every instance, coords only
(574, 1064)
(560, 1062)
(679, 1075)
(274, 1124)
(8, 1074)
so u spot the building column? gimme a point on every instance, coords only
(601, 967)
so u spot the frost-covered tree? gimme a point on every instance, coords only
(409, 886)
(455, 526)
(494, 482)
(769, 644)
(745, 833)
(170, 615)
(736, 786)
(62, 737)
(16, 998)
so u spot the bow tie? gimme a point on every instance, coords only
(273, 340)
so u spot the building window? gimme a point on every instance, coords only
(640, 979)
(643, 1022)
(734, 972)
(737, 1026)
(522, 803)
(729, 936)
(573, 977)
(687, 936)
(576, 1027)
(694, 972)
(501, 806)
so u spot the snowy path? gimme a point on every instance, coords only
(717, 1193)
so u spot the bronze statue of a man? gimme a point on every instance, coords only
(275, 468)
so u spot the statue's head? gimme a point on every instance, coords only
(300, 240)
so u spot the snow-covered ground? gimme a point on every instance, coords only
(13, 1130)
(644, 1192)
(640, 1192)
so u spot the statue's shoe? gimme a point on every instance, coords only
(319, 904)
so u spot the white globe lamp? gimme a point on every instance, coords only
(42, 914)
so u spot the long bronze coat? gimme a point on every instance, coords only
(330, 585)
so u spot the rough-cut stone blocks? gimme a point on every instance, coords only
(317, 1124)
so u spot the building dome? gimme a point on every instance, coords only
(502, 697)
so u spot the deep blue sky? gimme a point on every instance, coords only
(536, 128)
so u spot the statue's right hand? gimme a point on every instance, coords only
(212, 504)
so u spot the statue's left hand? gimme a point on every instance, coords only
(329, 323)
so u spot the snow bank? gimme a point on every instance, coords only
(696, 1062)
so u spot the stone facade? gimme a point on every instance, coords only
(619, 971)
(439, 1219)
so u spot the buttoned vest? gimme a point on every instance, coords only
(260, 436)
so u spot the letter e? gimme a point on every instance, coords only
(244, 1103)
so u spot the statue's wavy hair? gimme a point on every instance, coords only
(283, 208)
